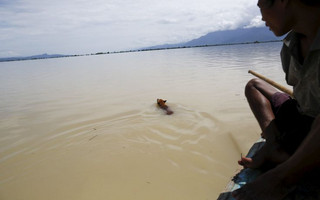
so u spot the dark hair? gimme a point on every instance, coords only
(265, 3)
(311, 2)
(269, 3)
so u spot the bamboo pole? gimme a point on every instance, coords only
(271, 82)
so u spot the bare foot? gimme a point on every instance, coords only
(245, 162)
(269, 155)
(268, 186)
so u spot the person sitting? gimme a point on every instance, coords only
(292, 154)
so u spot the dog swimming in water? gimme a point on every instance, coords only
(162, 104)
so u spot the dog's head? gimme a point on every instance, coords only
(161, 102)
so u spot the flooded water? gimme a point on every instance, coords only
(89, 127)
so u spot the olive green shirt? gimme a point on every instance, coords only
(303, 75)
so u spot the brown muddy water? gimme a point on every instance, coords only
(88, 127)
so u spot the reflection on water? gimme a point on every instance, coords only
(89, 127)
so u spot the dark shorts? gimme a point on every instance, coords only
(292, 125)
(278, 99)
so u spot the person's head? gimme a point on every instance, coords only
(274, 15)
(269, 3)
(277, 15)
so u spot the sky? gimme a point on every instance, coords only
(33, 27)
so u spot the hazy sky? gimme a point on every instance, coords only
(30, 27)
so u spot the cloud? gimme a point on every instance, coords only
(255, 22)
(30, 27)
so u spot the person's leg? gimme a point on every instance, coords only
(259, 95)
(280, 181)
(270, 154)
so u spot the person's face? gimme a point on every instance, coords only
(264, 4)
(274, 16)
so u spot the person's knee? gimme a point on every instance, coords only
(251, 86)
(255, 86)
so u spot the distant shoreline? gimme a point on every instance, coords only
(46, 56)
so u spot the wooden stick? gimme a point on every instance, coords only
(271, 82)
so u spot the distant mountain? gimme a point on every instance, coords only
(42, 56)
(243, 35)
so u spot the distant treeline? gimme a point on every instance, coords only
(46, 56)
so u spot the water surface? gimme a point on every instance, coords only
(89, 128)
